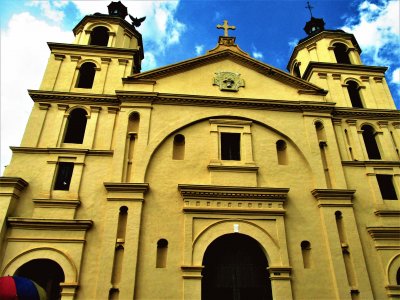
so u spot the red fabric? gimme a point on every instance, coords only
(8, 291)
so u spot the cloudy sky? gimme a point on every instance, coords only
(179, 30)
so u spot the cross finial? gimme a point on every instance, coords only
(309, 8)
(226, 27)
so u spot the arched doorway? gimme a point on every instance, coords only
(235, 268)
(46, 273)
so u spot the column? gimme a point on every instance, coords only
(388, 149)
(329, 202)
(356, 140)
(34, 129)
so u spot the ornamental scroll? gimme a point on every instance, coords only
(228, 81)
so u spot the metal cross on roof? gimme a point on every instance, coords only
(309, 8)
(226, 27)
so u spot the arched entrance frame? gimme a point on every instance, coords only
(62, 259)
(274, 249)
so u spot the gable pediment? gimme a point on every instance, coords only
(200, 76)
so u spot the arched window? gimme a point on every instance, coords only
(296, 70)
(178, 152)
(281, 151)
(341, 54)
(86, 75)
(99, 36)
(162, 248)
(370, 142)
(305, 251)
(354, 94)
(76, 126)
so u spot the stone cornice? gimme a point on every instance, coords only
(330, 67)
(251, 103)
(384, 232)
(13, 182)
(126, 187)
(387, 213)
(70, 97)
(301, 85)
(243, 168)
(215, 192)
(49, 224)
(366, 113)
(120, 191)
(32, 150)
(371, 163)
(333, 197)
(92, 49)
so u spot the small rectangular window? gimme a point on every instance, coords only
(386, 187)
(230, 146)
(64, 175)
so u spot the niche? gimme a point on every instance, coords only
(281, 152)
(162, 249)
(178, 152)
(306, 253)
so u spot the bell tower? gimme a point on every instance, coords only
(331, 59)
(106, 49)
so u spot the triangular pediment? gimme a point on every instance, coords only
(199, 74)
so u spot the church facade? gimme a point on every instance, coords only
(219, 177)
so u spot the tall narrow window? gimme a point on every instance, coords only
(162, 248)
(305, 251)
(178, 151)
(64, 175)
(398, 277)
(86, 75)
(354, 94)
(99, 36)
(341, 54)
(281, 151)
(370, 142)
(296, 70)
(386, 187)
(76, 126)
(230, 146)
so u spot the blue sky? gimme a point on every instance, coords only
(178, 30)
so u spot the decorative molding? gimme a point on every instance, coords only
(233, 199)
(51, 96)
(192, 272)
(228, 81)
(393, 291)
(49, 224)
(366, 113)
(333, 197)
(119, 191)
(387, 213)
(104, 50)
(212, 101)
(44, 106)
(232, 168)
(371, 163)
(71, 151)
(384, 232)
(60, 203)
(16, 183)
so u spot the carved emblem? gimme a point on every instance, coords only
(228, 81)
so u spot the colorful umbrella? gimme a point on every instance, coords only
(20, 288)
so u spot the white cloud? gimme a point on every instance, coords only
(377, 31)
(396, 76)
(292, 44)
(20, 71)
(255, 53)
(199, 49)
(51, 13)
(149, 62)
